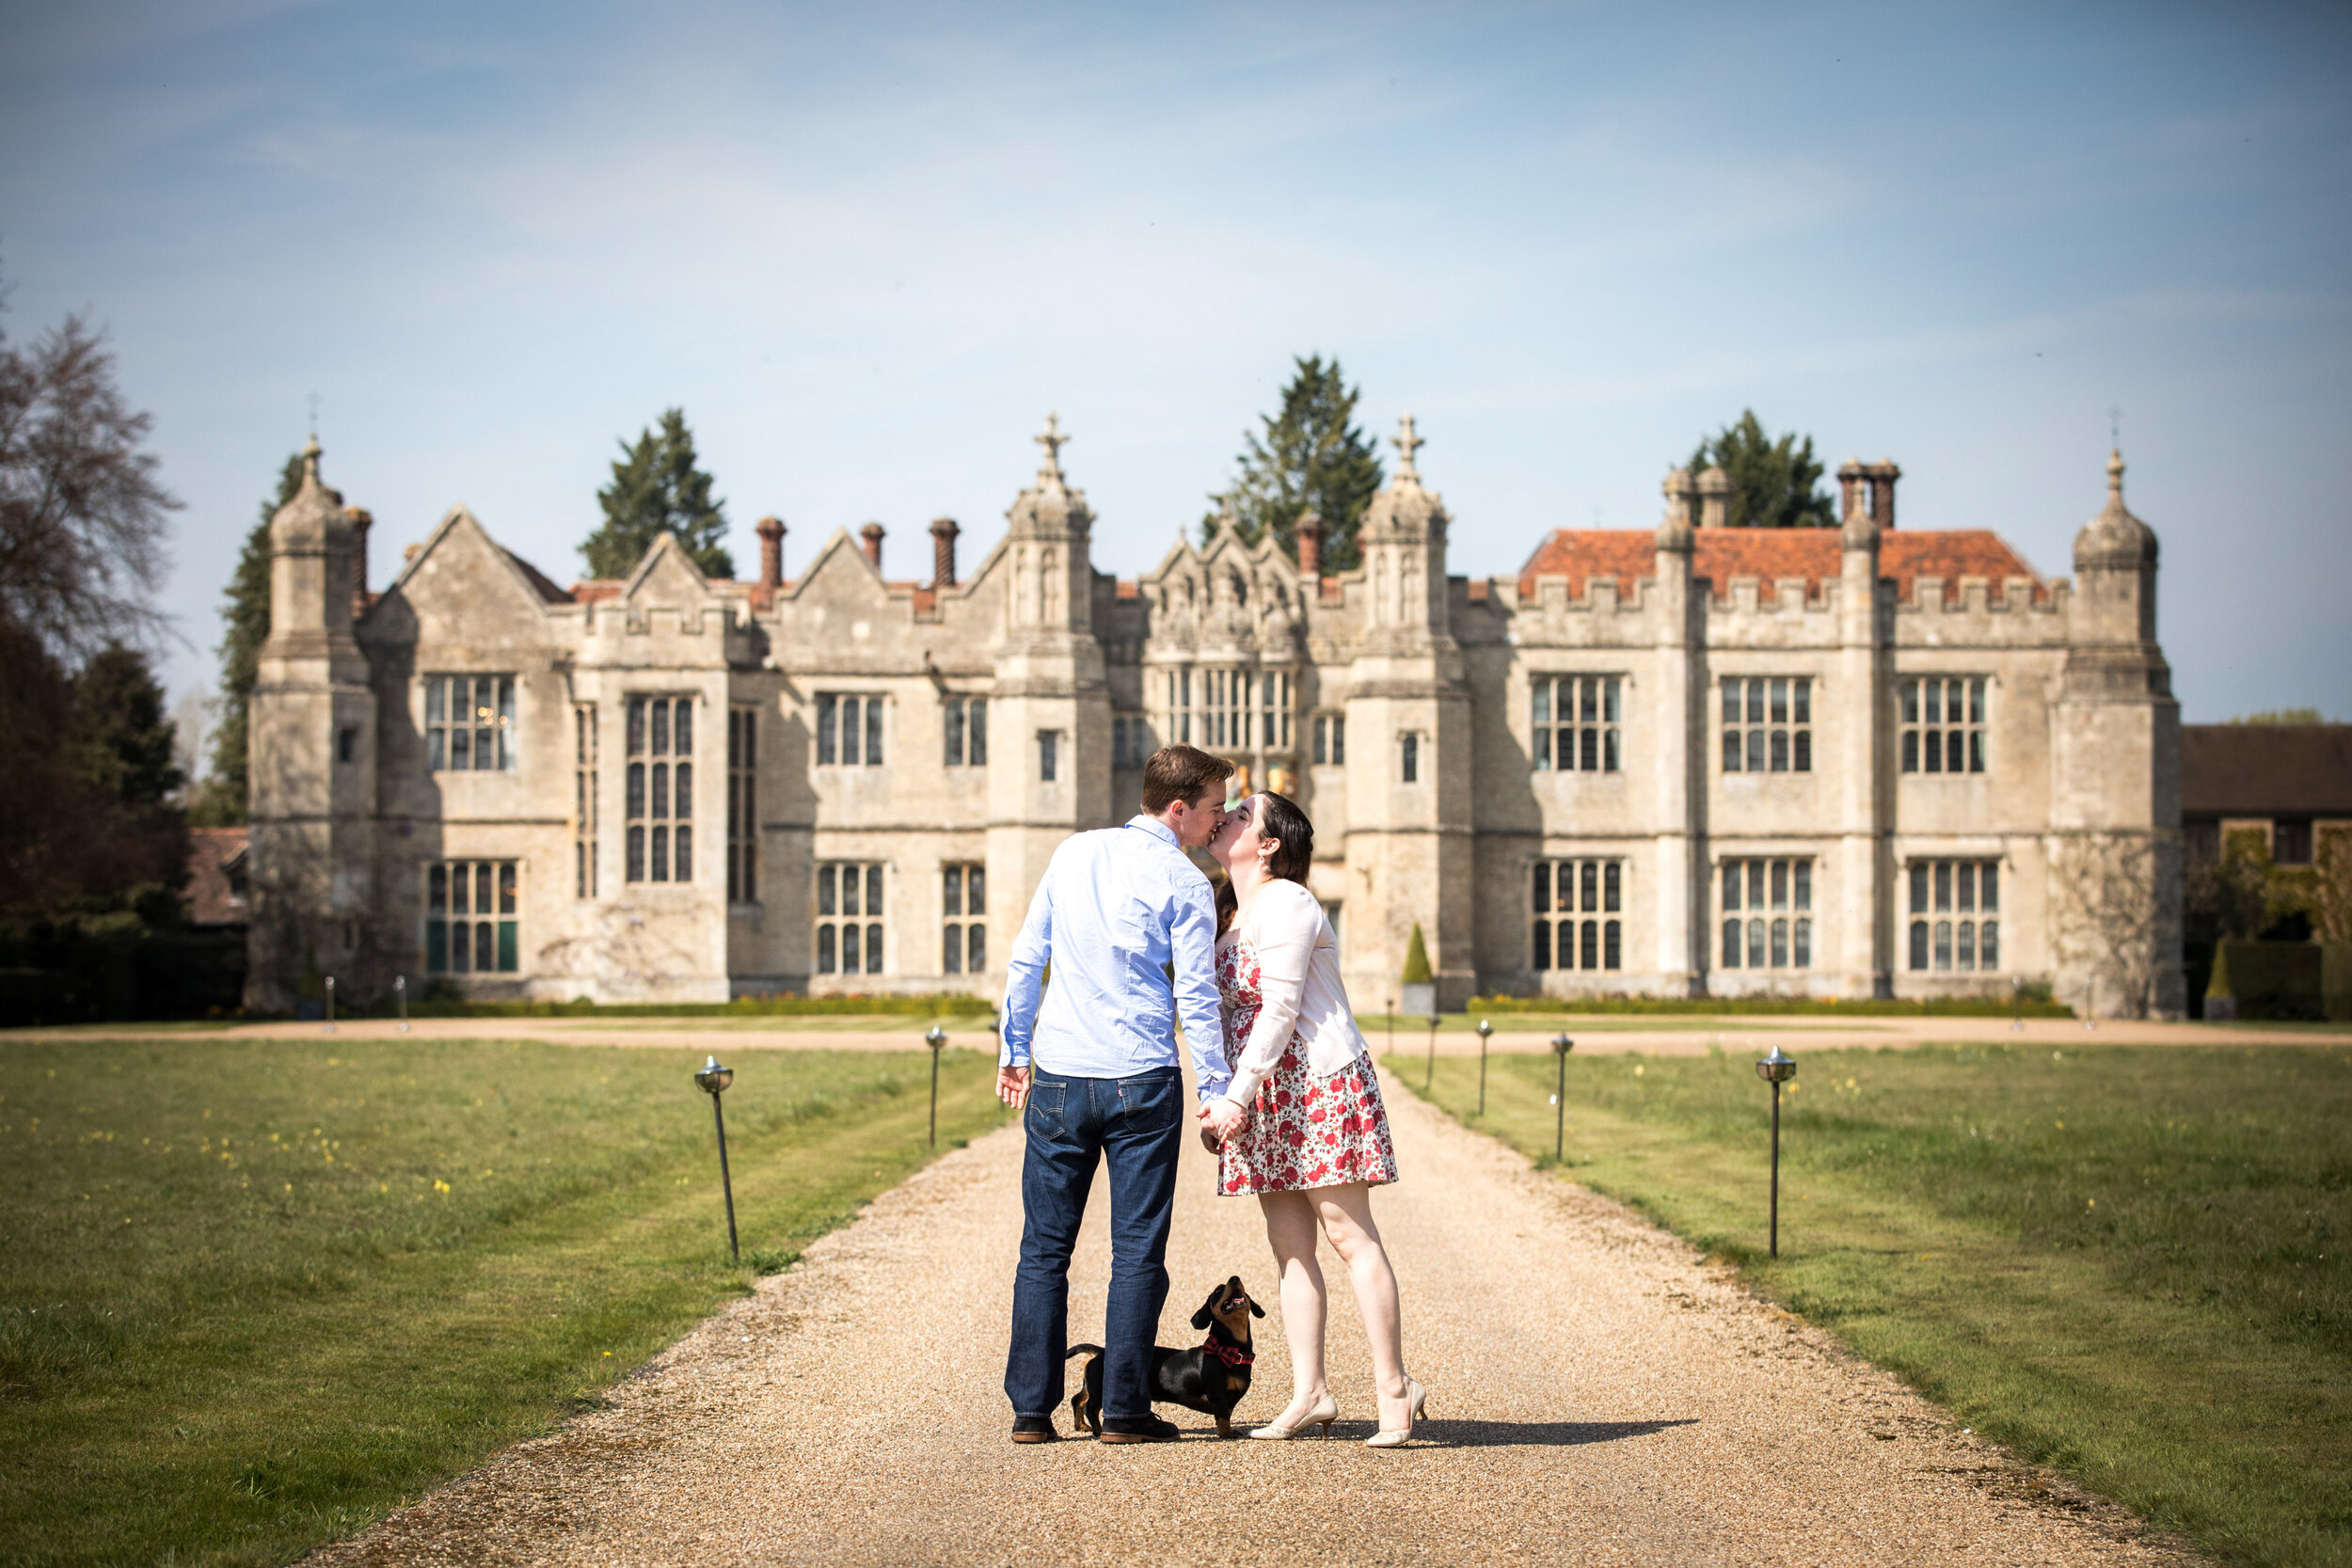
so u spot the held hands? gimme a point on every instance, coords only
(1013, 1086)
(1219, 1120)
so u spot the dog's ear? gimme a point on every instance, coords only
(1256, 1310)
(1208, 1309)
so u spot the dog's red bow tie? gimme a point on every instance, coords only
(1232, 1355)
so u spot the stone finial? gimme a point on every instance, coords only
(870, 538)
(1406, 443)
(361, 519)
(1714, 499)
(1673, 530)
(944, 532)
(1053, 440)
(2115, 538)
(1310, 530)
(770, 531)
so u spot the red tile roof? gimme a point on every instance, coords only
(1721, 554)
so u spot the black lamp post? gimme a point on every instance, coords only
(1392, 1028)
(330, 1004)
(1484, 1029)
(2017, 1004)
(1777, 1069)
(1560, 1046)
(713, 1079)
(936, 1037)
(1429, 1073)
(400, 995)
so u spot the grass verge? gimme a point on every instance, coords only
(259, 1292)
(2125, 1262)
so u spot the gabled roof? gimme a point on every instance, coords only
(2266, 770)
(1721, 554)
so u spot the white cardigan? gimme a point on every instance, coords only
(1299, 976)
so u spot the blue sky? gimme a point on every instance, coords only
(868, 247)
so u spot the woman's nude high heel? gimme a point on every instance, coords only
(1326, 1410)
(1416, 1406)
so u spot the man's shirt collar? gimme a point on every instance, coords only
(1155, 826)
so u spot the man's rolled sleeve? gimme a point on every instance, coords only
(1024, 975)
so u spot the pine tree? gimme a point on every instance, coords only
(1309, 458)
(657, 489)
(1773, 484)
(245, 626)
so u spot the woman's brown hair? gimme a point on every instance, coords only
(1279, 820)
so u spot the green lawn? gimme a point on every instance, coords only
(258, 1292)
(2127, 1263)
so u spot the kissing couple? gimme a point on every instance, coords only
(1136, 939)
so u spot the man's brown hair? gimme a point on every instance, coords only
(1180, 773)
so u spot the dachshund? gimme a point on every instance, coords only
(1212, 1376)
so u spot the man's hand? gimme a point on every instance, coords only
(1013, 1086)
(1221, 1118)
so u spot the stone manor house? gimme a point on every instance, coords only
(1691, 761)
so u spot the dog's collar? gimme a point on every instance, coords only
(1232, 1355)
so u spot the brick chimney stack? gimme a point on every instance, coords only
(770, 531)
(1882, 477)
(1868, 489)
(1311, 546)
(361, 522)
(944, 532)
(872, 534)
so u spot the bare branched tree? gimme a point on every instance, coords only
(81, 516)
(2104, 917)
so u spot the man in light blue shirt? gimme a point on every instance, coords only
(1095, 1068)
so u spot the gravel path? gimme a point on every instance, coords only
(1597, 1395)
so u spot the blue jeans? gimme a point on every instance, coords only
(1073, 1124)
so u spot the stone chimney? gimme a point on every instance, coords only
(873, 535)
(361, 522)
(944, 532)
(770, 531)
(1311, 546)
(1714, 499)
(1868, 489)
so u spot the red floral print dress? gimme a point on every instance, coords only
(1303, 1132)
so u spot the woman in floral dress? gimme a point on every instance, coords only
(1315, 1141)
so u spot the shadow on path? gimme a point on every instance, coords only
(1540, 1434)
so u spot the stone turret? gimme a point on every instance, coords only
(1410, 813)
(312, 730)
(1050, 718)
(2116, 853)
(1677, 663)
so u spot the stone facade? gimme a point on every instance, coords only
(1697, 761)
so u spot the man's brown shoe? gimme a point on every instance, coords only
(1034, 1429)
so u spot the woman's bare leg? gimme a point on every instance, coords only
(1289, 1229)
(1346, 1215)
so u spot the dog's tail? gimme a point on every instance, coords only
(1082, 1349)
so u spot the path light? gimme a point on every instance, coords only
(2017, 1003)
(936, 1037)
(1429, 1073)
(400, 995)
(713, 1079)
(1484, 1029)
(330, 1004)
(1777, 1069)
(1392, 1028)
(1560, 1046)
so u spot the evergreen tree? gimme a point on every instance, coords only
(657, 489)
(1309, 458)
(245, 626)
(1773, 484)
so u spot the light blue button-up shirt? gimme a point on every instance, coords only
(1116, 907)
